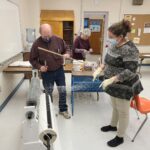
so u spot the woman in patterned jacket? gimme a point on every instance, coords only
(121, 80)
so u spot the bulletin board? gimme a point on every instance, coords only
(95, 25)
(140, 33)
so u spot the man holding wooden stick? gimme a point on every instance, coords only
(51, 65)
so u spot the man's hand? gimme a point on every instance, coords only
(66, 56)
(108, 82)
(43, 68)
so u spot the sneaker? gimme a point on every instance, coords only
(108, 128)
(65, 114)
(115, 142)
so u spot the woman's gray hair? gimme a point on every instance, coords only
(86, 32)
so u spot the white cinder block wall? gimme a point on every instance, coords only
(115, 8)
(29, 11)
(127, 8)
(29, 16)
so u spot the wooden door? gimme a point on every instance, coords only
(96, 38)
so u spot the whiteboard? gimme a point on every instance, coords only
(10, 32)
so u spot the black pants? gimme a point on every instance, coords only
(58, 77)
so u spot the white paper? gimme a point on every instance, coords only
(20, 63)
(136, 40)
(146, 30)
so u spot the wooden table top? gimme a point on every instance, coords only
(67, 68)
(18, 69)
(82, 73)
(144, 55)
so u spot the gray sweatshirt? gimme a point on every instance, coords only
(123, 63)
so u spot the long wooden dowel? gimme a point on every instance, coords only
(49, 51)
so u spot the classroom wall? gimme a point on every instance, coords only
(115, 8)
(29, 11)
(29, 16)
(64, 5)
(127, 8)
(7, 82)
(11, 43)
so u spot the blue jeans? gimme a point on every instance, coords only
(58, 77)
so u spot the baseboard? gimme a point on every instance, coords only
(11, 95)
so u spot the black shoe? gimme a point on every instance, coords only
(115, 142)
(108, 128)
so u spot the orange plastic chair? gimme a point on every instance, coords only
(142, 105)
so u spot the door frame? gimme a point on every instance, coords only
(100, 14)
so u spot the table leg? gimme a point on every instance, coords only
(140, 66)
(72, 102)
(72, 95)
(97, 96)
(51, 95)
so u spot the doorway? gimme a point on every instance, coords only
(68, 31)
(98, 23)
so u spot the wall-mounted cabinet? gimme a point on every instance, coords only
(62, 22)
